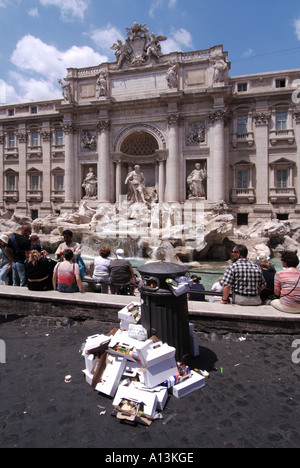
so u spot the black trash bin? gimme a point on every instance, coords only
(164, 314)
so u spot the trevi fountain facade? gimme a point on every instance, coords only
(165, 155)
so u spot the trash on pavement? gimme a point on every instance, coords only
(139, 373)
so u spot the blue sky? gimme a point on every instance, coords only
(40, 39)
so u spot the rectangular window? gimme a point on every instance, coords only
(34, 182)
(242, 179)
(242, 219)
(242, 124)
(59, 138)
(242, 87)
(281, 121)
(59, 182)
(282, 176)
(34, 139)
(34, 214)
(280, 83)
(34, 110)
(11, 182)
(11, 140)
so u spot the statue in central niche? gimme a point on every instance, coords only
(137, 189)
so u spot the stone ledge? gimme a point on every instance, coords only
(207, 316)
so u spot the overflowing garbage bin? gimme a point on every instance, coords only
(165, 314)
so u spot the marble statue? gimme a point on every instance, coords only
(195, 182)
(172, 77)
(66, 90)
(101, 85)
(220, 68)
(90, 184)
(136, 181)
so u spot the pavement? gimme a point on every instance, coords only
(251, 399)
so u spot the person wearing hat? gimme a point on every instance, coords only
(120, 273)
(5, 260)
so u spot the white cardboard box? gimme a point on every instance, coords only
(126, 315)
(94, 342)
(195, 382)
(130, 344)
(161, 393)
(159, 352)
(111, 376)
(131, 393)
(156, 375)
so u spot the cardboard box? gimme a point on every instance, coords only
(111, 375)
(159, 352)
(129, 348)
(88, 376)
(156, 375)
(95, 344)
(195, 382)
(161, 393)
(131, 313)
(133, 403)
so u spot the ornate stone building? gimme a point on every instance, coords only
(195, 132)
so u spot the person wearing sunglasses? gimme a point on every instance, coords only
(243, 278)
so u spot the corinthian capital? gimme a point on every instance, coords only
(174, 119)
(103, 125)
(261, 118)
(218, 116)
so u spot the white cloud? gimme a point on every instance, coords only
(159, 5)
(40, 66)
(105, 38)
(69, 9)
(33, 55)
(34, 12)
(297, 28)
(247, 53)
(178, 40)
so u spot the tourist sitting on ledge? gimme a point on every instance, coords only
(194, 295)
(39, 270)
(268, 271)
(287, 285)
(121, 274)
(244, 278)
(66, 276)
(101, 268)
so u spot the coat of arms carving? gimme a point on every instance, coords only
(138, 47)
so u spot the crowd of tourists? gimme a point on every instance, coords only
(248, 283)
(23, 262)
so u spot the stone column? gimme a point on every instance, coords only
(103, 161)
(172, 169)
(261, 121)
(46, 187)
(161, 180)
(118, 179)
(297, 137)
(1, 169)
(22, 203)
(69, 203)
(219, 158)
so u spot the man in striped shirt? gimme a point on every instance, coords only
(243, 278)
(287, 284)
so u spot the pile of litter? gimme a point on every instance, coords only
(137, 372)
